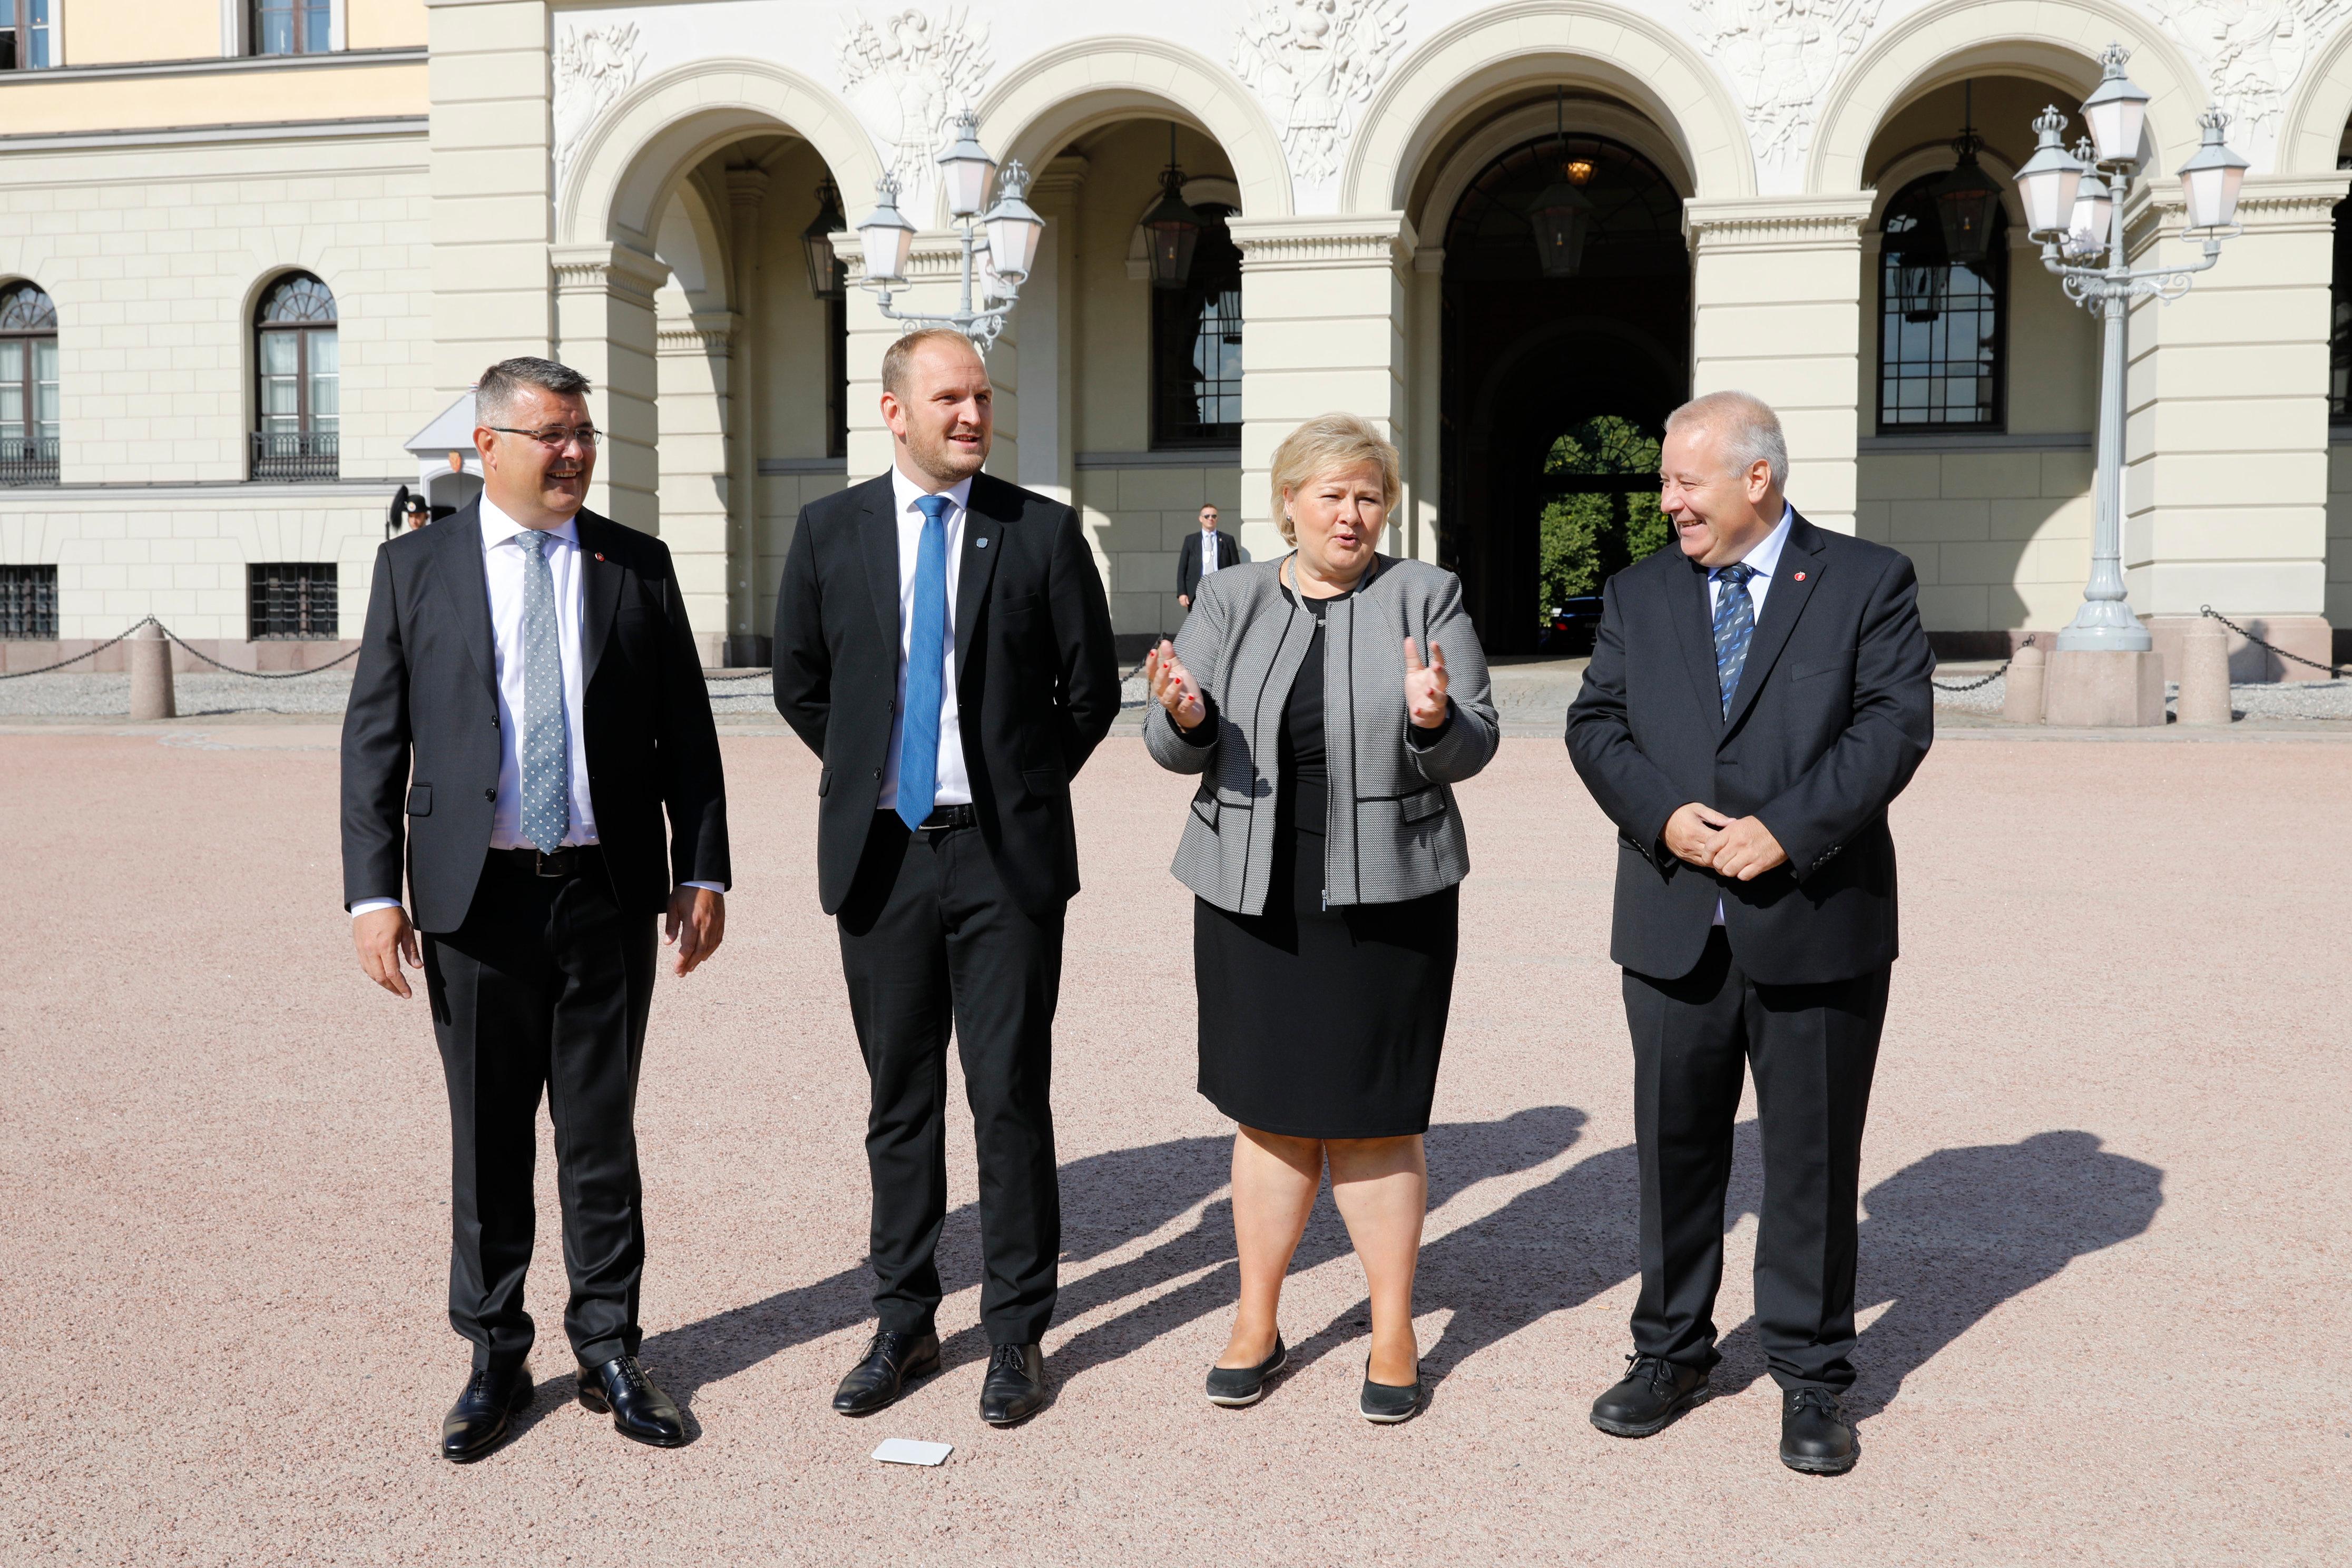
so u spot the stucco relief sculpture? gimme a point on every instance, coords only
(908, 73)
(1780, 56)
(593, 66)
(2252, 50)
(1312, 62)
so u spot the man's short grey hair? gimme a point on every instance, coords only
(1750, 430)
(495, 393)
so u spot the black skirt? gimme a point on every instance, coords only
(1323, 1023)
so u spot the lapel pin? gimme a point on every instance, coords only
(980, 544)
(600, 555)
(1801, 576)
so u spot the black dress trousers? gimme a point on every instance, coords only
(931, 941)
(1812, 1049)
(548, 981)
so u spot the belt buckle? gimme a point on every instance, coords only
(551, 866)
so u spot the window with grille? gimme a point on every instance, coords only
(27, 39)
(291, 27)
(29, 386)
(1196, 345)
(28, 603)
(292, 599)
(1942, 324)
(298, 381)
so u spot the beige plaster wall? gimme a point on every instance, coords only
(1138, 519)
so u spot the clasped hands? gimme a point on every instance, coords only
(695, 923)
(1743, 849)
(1174, 687)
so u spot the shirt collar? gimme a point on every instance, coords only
(498, 527)
(908, 492)
(1765, 559)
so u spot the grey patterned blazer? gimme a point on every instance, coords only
(1394, 833)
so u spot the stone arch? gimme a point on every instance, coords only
(2054, 41)
(1623, 53)
(631, 158)
(1041, 105)
(2317, 110)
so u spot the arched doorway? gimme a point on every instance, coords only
(1554, 386)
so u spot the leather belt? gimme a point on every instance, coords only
(946, 819)
(568, 862)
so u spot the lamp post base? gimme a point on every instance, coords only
(2104, 690)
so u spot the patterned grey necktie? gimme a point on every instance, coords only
(1735, 624)
(546, 741)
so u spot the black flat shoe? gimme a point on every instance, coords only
(1386, 1402)
(477, 1421)
(1016, 1387)
(1235, 1387)
(1648, 1398)
(1816, 1438)
(892, 1360)
(641, 1413)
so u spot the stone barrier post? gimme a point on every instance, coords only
(2021, 697)
(150, 674)
(2204, 674)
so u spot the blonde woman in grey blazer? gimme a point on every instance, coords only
(1328, 701)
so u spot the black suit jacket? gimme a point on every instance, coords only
(1037, 676)
(1832, 715)
(421, 735)
(1188, 559)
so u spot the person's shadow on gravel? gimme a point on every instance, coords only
(1108, 1201)
(1950, 1237)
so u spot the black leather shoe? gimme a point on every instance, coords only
(1235, 1387)
(1387, 1404)
(1815, 1436)
(477, 1421)
(1646, 1402)
(892, 1360)
(641, 1413)
(1015, 1389)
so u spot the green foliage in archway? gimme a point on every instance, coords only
(1589, 537)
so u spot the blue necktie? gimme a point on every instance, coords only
(1735, 625)
(926, 632)
(546, 771)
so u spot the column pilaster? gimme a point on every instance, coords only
(605, 322)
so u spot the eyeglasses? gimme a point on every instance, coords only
(555, 434)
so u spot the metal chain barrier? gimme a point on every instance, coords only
(92, 653)
(249, 674)
(1987, 681)
(2332, 671)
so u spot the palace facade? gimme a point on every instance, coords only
(253, 254)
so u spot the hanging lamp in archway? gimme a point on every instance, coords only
(1174, 226)
(1562, 213)
(826, 280)
(1967, 200)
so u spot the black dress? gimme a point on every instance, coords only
(1320, 1023)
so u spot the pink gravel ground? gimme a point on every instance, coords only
(2103, 1253)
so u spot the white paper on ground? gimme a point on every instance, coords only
(907, 1451)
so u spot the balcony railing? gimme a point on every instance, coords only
(294, 455)
(28, 459)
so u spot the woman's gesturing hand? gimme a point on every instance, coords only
(1174, 687)
(1425, 685)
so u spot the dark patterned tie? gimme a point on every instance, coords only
(1735, 625)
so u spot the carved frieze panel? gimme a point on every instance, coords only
(1779, 57)
(1313, 63)
(908, 74)
(593, 66)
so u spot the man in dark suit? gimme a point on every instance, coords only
(527, 704)
(1205, 550)
(944, 645)
(1755, 699)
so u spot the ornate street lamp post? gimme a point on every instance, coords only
(1012, 229)
(2078, 217)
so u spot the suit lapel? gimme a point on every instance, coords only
(1792, 585)
(1694, 624)
(983, 543)
(599, 590)
(459, 560)
(877, 537)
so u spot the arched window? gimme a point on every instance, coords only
(1942, 324)
(295, 362)
(1196, 345)
(28, 386)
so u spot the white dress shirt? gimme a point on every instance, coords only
(503, 565)
(1765, 559)
(953, 781)
(1208, 551)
